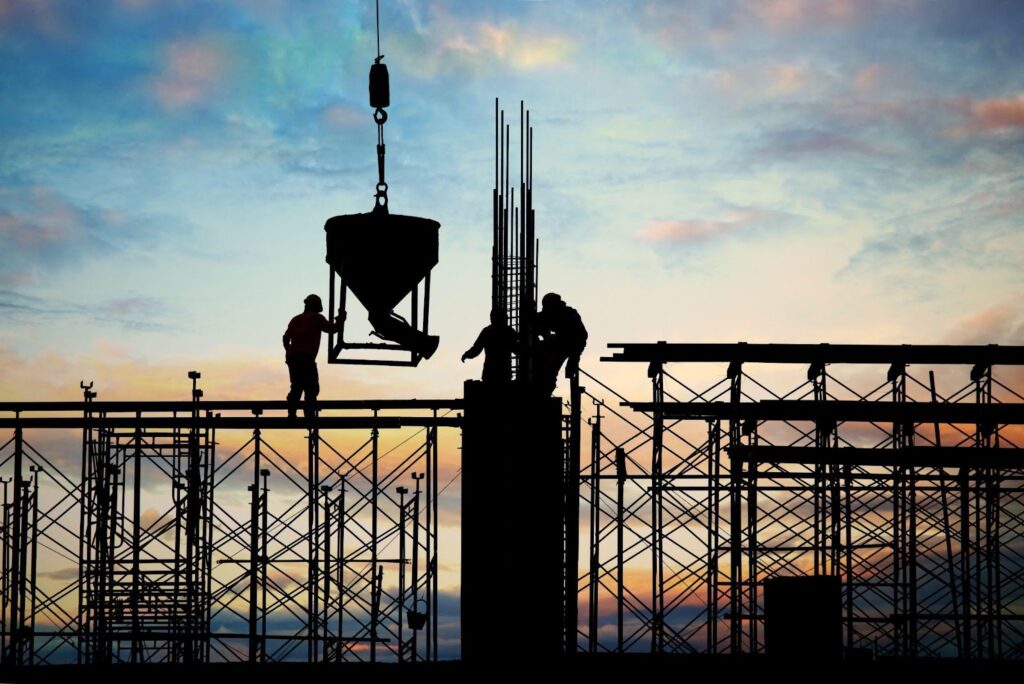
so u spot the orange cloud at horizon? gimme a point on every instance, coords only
(121, 373)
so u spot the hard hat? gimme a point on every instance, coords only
(313, 302)
(551, 299)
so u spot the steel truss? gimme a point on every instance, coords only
(907, 485)
(164, 550)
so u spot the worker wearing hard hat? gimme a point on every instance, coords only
(301, 344)
(562, 338)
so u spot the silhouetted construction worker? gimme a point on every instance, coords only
(562, 338)
(498, 340)
(301, 344)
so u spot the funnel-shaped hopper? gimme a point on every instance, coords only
(382, 256)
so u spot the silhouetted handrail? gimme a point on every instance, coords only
(229, 405)
(818, 353)
(852, 411)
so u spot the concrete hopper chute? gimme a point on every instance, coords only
(383, 259)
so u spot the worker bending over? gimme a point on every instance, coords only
(561, 339)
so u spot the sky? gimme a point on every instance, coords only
(758, 170)
(705, 171)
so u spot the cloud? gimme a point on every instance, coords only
(130, 306)
(507, 43)
(42, 16)
(788, 14)
(859, 113)
(190, 70)
(62, 574)
(997, 114)
(452, 41)
(871, 121)
(134, 313)
(1000, 323)
(758, 85)
(789, 77)
(800, 142)
(55, 222)
(684, 26)
(979, 230)
(341, 115)
(42, 229)
(150, 517)
(757, 81)
(984, 117)
(997, 324)
(867, 78)
(702, 230)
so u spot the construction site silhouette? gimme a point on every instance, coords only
(756, 507)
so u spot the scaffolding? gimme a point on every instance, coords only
(216, 531)
(907, 488)
(166, 551)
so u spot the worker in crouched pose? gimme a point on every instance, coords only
(301, 344)
(561, 339)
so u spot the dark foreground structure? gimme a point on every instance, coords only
(903, 503)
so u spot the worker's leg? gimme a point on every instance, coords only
(559, 355)
(545, 369)
(572, 365)
(295, 378)
(312, 388)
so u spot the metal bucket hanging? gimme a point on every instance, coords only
(382, 259)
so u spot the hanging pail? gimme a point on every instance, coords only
(417, 620)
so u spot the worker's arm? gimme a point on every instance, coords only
(286, 338)
(327, 326)
(475, 350)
